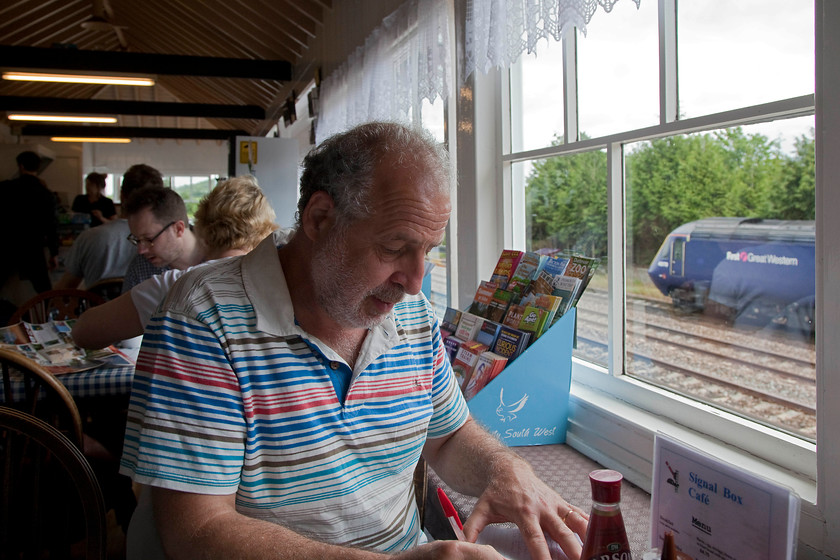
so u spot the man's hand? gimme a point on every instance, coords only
(473, 462)
(515, 494)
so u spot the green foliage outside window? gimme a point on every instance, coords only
(670, 181)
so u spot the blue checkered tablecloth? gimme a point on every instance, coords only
(99, 382)
(104, 381)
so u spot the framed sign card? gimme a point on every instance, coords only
(717, 510)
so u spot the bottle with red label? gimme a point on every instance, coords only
(606, 538)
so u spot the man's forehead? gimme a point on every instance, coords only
(143, 218)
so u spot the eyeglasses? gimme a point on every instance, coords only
(136, 241)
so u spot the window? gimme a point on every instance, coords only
(720, 267)
(652, 195)
(191, 189)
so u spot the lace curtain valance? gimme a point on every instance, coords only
(407, 58)
(404, 61)
(499, 31)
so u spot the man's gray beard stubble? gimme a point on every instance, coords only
(339, 291)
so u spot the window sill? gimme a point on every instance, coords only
(613, 421)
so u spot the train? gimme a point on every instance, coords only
(749, 271)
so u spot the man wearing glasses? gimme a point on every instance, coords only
(160, 230)
(103, 252)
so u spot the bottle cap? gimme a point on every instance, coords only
(606, 486)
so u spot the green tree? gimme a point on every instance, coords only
(675, 180)
(795, 199)
(670, 181)
(566, 201)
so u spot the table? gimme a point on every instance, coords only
(104, 381)
(566, 471)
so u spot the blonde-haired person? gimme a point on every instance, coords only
(231, 220)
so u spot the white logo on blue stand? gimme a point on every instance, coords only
(508, 412)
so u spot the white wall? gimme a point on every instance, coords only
(170, 157)
(276, 170)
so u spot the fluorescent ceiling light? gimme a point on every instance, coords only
(85, 139)
(77, 79)
(61, 118)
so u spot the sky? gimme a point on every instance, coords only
(731, 55)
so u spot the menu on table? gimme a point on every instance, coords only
(717, 510)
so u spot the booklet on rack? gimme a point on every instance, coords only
(717, 510)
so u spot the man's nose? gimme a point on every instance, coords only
(414, 271)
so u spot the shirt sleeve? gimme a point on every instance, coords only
(148, 294)
(186, 430)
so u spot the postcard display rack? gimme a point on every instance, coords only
(528, 402)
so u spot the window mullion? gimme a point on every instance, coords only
(616, 261)
(668, 90)
(570, 104)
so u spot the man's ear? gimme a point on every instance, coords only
(318, 215)
(180, 227)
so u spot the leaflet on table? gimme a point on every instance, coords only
(50, 345)
(717, 510)
(507, 540)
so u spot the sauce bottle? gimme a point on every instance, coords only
(606, 538)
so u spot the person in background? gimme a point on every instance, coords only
(161, 232)
(29, 225)
(231, 220)
(94, 202)
(295, 389)
(105, 252)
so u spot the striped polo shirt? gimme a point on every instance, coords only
(231, 396)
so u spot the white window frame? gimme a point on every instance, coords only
(613, 418)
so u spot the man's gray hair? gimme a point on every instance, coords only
(344, 165)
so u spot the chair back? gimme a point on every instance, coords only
(32, 389)
(50, 497)
(108, 288)
(56, 305)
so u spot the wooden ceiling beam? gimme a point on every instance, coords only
(109, 107)
(129, 132)
(143, 63)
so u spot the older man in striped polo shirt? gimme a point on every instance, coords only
(282, 398)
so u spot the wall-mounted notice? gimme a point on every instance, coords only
(717, 510)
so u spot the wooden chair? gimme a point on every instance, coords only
(29, 387)
(108, 288)
(56, 305)
(51, 503)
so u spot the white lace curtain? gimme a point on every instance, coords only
(499, 31)
(404, 61)
(407, 59)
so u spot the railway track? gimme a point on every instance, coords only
(769, 378)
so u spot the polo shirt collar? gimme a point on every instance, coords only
(266, 288)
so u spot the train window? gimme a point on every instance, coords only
(676, 263)
(729, 320)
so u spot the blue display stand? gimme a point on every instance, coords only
(528, 402)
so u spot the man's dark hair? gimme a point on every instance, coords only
(139, 176)
(30, 161)
(165, 204)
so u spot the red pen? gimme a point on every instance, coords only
(451, 514)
